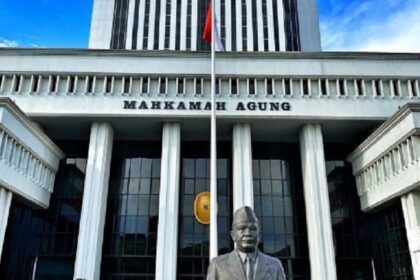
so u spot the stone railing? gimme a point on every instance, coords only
(21, 159)
(28, 158)
(387, 164)
(400, 158)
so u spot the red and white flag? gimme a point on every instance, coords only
(208, 27)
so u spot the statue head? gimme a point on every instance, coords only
(245, 230)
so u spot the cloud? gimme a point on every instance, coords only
(391, 26)
(4, 43)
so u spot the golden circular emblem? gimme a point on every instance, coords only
(202, 208)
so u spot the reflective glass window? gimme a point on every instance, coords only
(193, 248)
(366, 244)
(279, 204)
(41, 244)
(130, 237)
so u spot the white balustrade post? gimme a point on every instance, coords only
(318, 218)
(5, 202)
(411, 209)
(243, 192)
(167, 239)
(92, 220)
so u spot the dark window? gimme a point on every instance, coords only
(178, 25)
(168, 23)
(341, 87)
(396, 87)
(295, 25)
(324, 89)
(135, 24)
(413, 84)
(363, 241)
(234, 86)
(1, 81)
(108, 84)
(18, 81)
(48, 237)
(53, 84)
(126, 85)
(223, 21)
(378, 87)
(119, 26)
(269, 85)
(89, 84)
(198, 86)
(72, 82)
(180, 89)
(287, 87)
(244, 26)
(156, 25)
(146, 24)
(193, 249)
(35, 83)
(265, 24)
(251, 86)
(276, 26)
(359, 86)
(255, 24)
(162, 85)
(305, 87)
(233, 23)
(202, 7)
(279, 204)
(291, 24)
(217, 85)
(189, 27)
(132, 212)
(145, 85)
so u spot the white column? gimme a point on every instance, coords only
(238, 7)
(243, 192)
(249, 26)
(172, 36)
(151, 34)
(167, 239)
(260, 27)
(411, 208)
(141, 23)
(162, 25)
(194, 24)
(92, 220)
(318, 218)
(5, 202)
(130, 25)
(183, 31)
(282, 30)
(228, 24)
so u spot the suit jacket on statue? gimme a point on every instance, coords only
(229, 267)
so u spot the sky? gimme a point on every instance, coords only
(346, 25)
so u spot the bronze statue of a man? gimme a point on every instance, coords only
(245, 262)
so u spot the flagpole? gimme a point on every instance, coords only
(213, 143)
